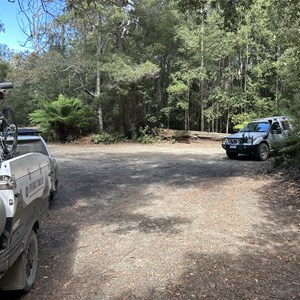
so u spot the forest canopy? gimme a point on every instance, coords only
(192, 65)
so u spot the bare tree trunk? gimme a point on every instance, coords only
(246, 65)
(202, 105)
(187, 113)
(277, 80)
(227, 121)
(100, 118)
(202, 82)
(98, 82)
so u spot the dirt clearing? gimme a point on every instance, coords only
(168, 221)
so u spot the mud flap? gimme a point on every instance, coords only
(14, 278)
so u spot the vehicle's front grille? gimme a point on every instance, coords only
(234, 141)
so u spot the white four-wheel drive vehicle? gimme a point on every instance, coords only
(28, 178)
(257, 137)
(25, 186)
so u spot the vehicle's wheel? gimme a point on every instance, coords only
(2, 216)
(262, 152)
(231, 154)
(30, 257)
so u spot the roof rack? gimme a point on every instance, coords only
(28, 131)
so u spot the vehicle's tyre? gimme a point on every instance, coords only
(2, 216)
(232, 155)
(262, 152)
(30, 259)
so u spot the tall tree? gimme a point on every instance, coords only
(184, 64)
(35, 19)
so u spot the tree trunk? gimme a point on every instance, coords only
(277, 80)
(202, 82)
(246, 64)
(98, 82)
(100, 119)
(227, 121)
(187, 113)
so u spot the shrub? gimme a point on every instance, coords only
(106, 138)
(149, 135)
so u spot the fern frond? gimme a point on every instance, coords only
(291, 146)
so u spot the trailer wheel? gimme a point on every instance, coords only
(30, 257)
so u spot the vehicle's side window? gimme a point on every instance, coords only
(275, 126)
(285, 125)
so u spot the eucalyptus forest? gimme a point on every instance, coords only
(119, 66)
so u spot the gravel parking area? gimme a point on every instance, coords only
(168, 221)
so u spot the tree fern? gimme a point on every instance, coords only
(64, 119)
(292, 146)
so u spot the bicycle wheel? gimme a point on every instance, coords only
(9, 132)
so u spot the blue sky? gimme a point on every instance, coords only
(9, 17)
(13, 36)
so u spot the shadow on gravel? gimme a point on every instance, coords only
(268, 267)
(242, 276)
(109, 188)
(114, 178)
(281, 204)
(143, 223)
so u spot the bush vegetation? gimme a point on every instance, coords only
(107, 138)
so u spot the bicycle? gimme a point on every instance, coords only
(8, 126)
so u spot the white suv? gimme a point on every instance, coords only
(257, 137)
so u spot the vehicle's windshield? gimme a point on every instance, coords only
(256, 127)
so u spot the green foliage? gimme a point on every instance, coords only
(149, 135)
(64, 119)
(120, 69)
(210, 64)
(107, 138)
(177, 88)
(289, 152)
(178, 92)
(4, 67)
(291, 146)
(240, 120)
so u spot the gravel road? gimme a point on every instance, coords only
(166, 221)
